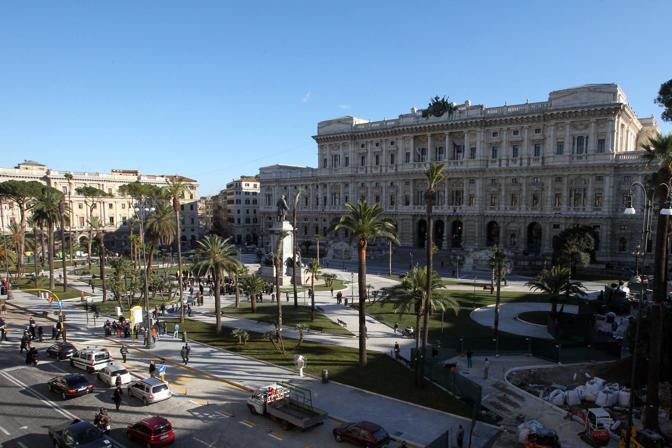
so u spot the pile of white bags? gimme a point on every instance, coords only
(593, 387)
(557, 397)
(573, 397)
(624, 398)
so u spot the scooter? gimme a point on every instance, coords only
(408, 332)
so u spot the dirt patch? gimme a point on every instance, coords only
(572, 376)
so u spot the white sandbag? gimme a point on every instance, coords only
(593, 387)
(557, 397)
(606, 398)
(624, 398)
(581, 390)
(572, 398)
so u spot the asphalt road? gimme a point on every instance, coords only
(204, 412)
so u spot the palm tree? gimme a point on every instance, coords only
(435, 176)
(237, 272)
(92, 196)
(318, 237)
(411, 296)
(253, 285)
(71, 217)
(279, 265)
(46, 212)
(175, 190)
(62, 210)
(215, 256)
(16, 236)
(97, 229)
(365, 223)
(159, 230)
(555, 283)
(294, 247)
(659, 151)
(313, 270)
(497, 264)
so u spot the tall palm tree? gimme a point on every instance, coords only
(16, 236)
(497, 259)
(295, 208)
(364, 223)
(313, 270)
(237, 272)
(97, 229)
(71, 215)
(411, 296)
(253, 285)
(215, 256)
(62, 210)
(46, 212)
(555, 283)
(435, 176)
(658, 151)
(159, 230)
(279, 268)
(175, 190)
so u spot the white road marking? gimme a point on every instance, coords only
(274, 436)
(5, 431)
(243, 422)
(39, 396)
(23, 427)
(203, 442)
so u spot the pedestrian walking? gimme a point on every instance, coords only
(117, 396)
(188, 348)
(183, 353)
(469, 355)
(93, 288)
(117, 382)
(396, 327)
(123, 351)
(40, 333)
(397, 350)
(152, 369)
(176, 331)
(486, 369)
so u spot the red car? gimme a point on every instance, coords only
(365, 434)
(152, 431)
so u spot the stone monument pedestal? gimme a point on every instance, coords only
(286, 251)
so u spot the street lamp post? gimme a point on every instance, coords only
(644, 239)
(142, 213)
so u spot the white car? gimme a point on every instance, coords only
(150, 390)
(109, 374)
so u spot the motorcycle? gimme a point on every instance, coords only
(102, 421)
(408, 332)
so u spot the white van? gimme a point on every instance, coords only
(91, 359)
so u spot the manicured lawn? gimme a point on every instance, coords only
(476, 337)
(30, 267)
(383, 375)
(109, 307)
(266, 312)
(535, 317)
(338, 284)
(43, 282)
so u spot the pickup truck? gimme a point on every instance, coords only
(286, 403)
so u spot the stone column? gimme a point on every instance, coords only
(449, 149)
(568, 139)
(503, 150)
(526, 142)
(480, 140)
(592, 138)
(429, 147)
(467, 149)
(550, 143)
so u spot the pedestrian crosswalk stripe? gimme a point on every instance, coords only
(248, 423)
(275, 436)
(4, 430)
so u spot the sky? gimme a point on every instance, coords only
(216, 89)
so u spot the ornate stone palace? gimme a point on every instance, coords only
(113, 211)
(516, 175)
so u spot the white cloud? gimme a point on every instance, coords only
(344, 106)
(306, 97)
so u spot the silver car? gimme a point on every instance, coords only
(150, 390)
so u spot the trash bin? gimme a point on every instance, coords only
(325, 376)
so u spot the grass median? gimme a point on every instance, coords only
(26, 284)
(382, 375)
(266, 312)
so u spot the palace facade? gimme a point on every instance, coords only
(113, 211)
(516, 175)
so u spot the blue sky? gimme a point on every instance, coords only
(213, 90)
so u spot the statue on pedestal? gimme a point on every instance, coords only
(283, 208)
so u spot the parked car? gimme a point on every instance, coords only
(150, 390)
(152, 432)
(80, 434)
(70, 386)
(61, 350)
(109, 374)
(365, 434)
(91, 359)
